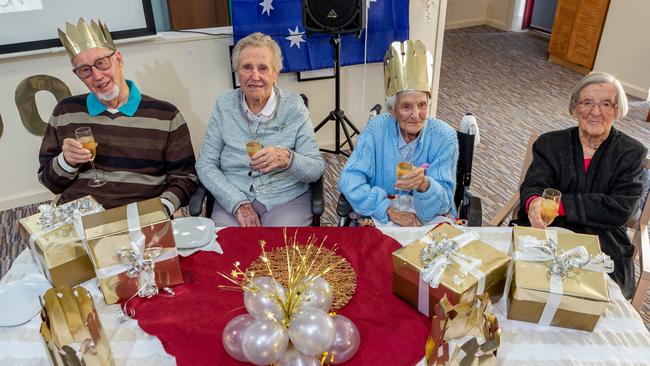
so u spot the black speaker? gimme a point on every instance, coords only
(332, 16)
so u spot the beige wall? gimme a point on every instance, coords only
(468, 13)
(188, 71)
(465, 13)
(624, 49)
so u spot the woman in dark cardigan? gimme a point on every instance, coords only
(598, 169)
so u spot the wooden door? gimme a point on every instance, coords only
(565, 13)
(587, 29)
(193, 14)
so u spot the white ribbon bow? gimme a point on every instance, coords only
(441, 251)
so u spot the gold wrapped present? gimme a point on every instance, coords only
(133, 250)
(447, 262)
(559, 282)
(466, 334)
(55, 244)
(71, 330)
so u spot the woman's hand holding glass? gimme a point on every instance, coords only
(409, 178)
(269, 159)
(543, 210)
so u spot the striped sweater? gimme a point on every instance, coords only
(146, 155)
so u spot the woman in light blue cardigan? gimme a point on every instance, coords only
(405, 134)
(272, 187)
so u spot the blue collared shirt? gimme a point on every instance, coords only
(406, 150)
(95, 107)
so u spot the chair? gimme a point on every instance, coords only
(511, 208)
(201, 195)
(638, 225)
(469, 206)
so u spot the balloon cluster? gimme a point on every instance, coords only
(290, 325)
(268, 335)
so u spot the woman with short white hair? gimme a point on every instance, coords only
(597, 168)
(260, 153)
(404, 135)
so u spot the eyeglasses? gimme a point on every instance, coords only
(605, 106)
(101, 64)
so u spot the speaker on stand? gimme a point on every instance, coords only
(335, 17)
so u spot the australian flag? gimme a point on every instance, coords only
(388, 21)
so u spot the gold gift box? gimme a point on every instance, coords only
(71, 330)
(585, 295)
(60, 252)
(107, 232)
(407, 267)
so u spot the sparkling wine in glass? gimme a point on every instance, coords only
(401, 200)
(550, 205)
(252, 147)
(85, 137)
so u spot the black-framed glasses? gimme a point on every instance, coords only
(101, 64)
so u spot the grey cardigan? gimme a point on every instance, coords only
(223, 163)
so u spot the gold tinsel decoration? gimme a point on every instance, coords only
(294, 266)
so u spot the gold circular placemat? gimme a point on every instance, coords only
(341, 276)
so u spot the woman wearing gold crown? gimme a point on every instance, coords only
(425, 148)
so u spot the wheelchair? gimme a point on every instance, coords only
(470, 207)
(202, 196)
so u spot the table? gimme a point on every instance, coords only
(620, 338)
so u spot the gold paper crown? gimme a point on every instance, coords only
(82, 37)
(407, 66)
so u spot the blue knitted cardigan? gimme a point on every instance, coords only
(370, 173)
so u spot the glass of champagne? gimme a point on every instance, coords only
(252, 147)
(85, 137)
(401, 200)
(550, 205)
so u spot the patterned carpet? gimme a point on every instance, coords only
(501, 77)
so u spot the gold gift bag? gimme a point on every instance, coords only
(71, 330)
(55, 244)
(407, 268)
(125, 241)
(583, 295)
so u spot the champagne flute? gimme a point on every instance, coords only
(550, 205)
(403, 168)
(85, 137)
(252, 147)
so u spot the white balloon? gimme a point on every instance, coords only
(264, 342)
(318, 294)
(261, 301)
(294, 358)
(311, 331)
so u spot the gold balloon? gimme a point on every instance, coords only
(26, 100)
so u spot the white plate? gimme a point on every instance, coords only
(19, 301)
(193, 232)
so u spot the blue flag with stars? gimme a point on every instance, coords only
(388, 21)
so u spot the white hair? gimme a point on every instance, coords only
(392, 100)
(258, 39)
(600, 78)
(110, 95)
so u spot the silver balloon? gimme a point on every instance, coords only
(311, 331)
(264, 342)
(260, 301)
(232, 336)
(294, 358)
(317, 295)
(347, 340)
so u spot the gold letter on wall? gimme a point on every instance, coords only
(2, 127)
(26, 100)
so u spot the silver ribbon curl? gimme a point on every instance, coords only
(442, 251)
(563, 263)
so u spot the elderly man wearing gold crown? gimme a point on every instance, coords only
(133, 146)
(404, 150)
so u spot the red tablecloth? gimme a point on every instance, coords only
(190, 324)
